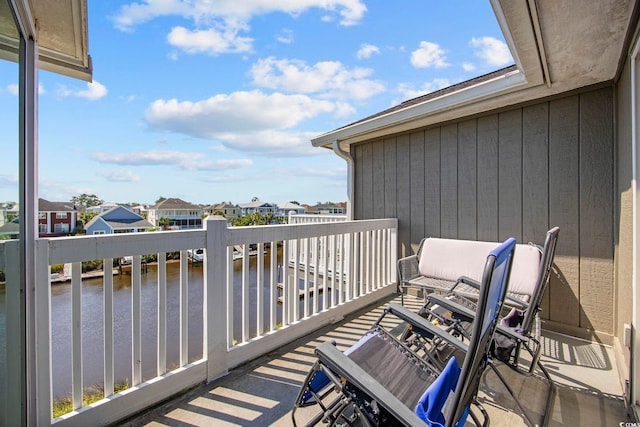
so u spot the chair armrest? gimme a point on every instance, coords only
(407, 268)
(336, 361)
(453, 306)
(465, 280)
(422, 326)
(509, 332)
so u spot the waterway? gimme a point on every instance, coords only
(92, 323)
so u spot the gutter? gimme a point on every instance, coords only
(350, 176)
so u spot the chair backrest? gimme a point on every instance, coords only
(492, 292)
(548, 253)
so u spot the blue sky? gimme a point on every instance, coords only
(214, 101)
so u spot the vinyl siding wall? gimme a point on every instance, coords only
(515, 173)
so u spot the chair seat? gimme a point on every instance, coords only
(470, 292)
(431, 283)
(401, 376)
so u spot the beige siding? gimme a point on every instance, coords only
(516, 172)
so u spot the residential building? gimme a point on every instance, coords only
(8, 211)
(56, 218)
(257, 206)
(181, 215)
(283, 209)
(331, 209)
(117, 220)
(229, 210)
(101, 208)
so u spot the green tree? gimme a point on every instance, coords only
(85, 217)
(87, 200)
(160, 200)
(164, 221)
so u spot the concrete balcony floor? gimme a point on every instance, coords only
(262, 393)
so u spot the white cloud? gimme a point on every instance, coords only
(285, 36)
(181, 159)
(120, 175)
(273, 143)
(492, 51)
(329, 79)
(232, 12)
(408, 91)
(236, 112)
(212, 41)
(93, 92)
(218, 24)
(366, 50)
(468, 66)
(13, 89)
(429, 55)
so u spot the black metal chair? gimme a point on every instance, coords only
(382, 381)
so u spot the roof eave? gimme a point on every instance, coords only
(503, 84)
(61, 31)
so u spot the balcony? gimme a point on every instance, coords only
(262, 392)
(306, 283)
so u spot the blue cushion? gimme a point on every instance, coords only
(431, 404)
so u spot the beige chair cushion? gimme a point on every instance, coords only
(450, 258)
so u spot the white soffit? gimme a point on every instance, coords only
(62, 36)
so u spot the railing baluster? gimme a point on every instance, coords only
(246, 296)
(76, 334)
(286, 254)
(136, 320)
(294, 301)
(260, 290)
(307, 267)
(363, 255)
(107, 268)
(230, 296)
(325, 272)
(316, 267)
(273, 294)
(341, 265)
(162, 314)
(334, 274)
(349, 266)
(184, 308)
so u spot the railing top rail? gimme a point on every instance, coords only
(86, 248)
(261, 234)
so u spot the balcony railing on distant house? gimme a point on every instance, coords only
(347, 265)
(314, 219)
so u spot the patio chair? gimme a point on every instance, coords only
(519, 328)
(439, 265)
(381, 381)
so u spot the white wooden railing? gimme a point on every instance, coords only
(347, 265)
